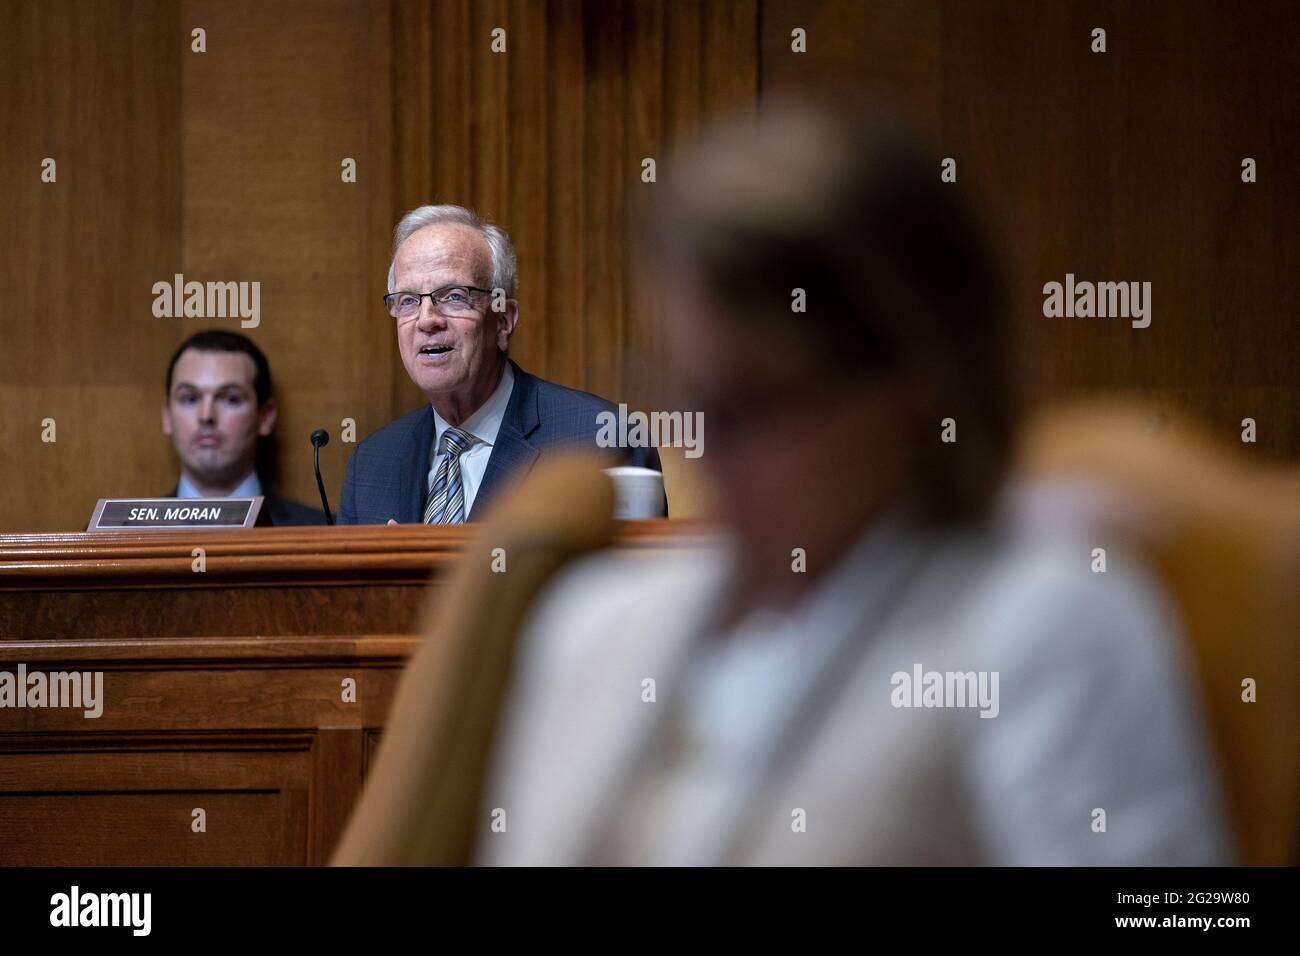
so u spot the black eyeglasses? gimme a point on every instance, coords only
(453, 301)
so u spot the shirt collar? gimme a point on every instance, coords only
(486, 421)
(250, 487)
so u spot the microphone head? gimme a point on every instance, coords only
(320, 438)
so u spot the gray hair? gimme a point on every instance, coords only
(499, 246)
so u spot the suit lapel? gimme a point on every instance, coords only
(413, 483)
(513, 453)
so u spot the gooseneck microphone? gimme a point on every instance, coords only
(319, 438)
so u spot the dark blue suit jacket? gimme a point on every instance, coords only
(388, 473)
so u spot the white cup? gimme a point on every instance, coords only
(638, 493)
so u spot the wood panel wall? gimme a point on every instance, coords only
(225, 691)
(548, 138)
(226, 165)
(222, 166)
(222, 691)
(1123, 165)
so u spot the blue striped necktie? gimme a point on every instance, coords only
(446, 501)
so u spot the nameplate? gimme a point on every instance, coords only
(135, 514)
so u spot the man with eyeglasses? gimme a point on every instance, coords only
(451, 288)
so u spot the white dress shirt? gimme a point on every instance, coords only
(250, 487)
(484, 425)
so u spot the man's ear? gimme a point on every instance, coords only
(266, 416)
(166, 419)
(506, 324)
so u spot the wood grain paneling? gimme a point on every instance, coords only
(547, 140)
(284, 94)
(97, 88)
(225, 165)
(73, 801)
(222, 166)
(210, 698)
(1117, 166)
